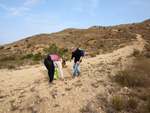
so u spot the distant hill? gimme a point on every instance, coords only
(94, 40)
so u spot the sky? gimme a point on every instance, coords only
(20, 19)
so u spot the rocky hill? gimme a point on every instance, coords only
(94, 40)
(115, 75)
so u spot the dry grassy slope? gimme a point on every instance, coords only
(27, 90)
(104, 38)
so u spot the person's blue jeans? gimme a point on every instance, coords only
(75, 67)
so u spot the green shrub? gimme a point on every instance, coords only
(11, 66)
(93, 55)
(119, 29)
(29, 45)
(27, 40)
(7, 58)
(2, 65)
(53, 49)
(15, 45)
(34, 62)
(122, 77)
(19, 62)
(2, 47)
(27, 56)
(118, 103)
(38, 56)
(8, 48)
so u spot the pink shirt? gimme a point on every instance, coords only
(55, 58)
(58, 61)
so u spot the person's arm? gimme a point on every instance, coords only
(60, 69)
(72, 56)
(80, 59)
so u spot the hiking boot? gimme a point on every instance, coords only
(79, 74)
(52, 83)
(73, 76)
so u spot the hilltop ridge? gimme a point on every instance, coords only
(94, 40)
(27, 90)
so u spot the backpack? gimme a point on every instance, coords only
(82, 52)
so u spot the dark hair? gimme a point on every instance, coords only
(48, 56)
(76, 50)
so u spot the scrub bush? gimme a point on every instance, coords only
(27, 56)
(11, 66)
(132, 103)
(118, 103)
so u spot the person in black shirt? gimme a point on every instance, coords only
(77, 55)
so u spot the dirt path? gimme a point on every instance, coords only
(26, 90)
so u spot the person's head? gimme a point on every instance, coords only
(76, 50)
(48, 56)
(63, 63)
(73, 49)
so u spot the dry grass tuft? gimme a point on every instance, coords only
(136, 52)
(11, 67)
(118, 103)
(138, 76)
(132, 103)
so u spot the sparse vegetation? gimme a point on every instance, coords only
(27, 56)
(136, 52)
(132, 103)
(8, 48)
(147, 51)
(129, 94)
(53, 49)
(137, 77)
(15, 45)
(7, 58)
(11, 66)
(38, 56)
(148, 105)
(2, 47)
(94, 53)
(119, 29)
(130, 27)
(34, 62)
(118, 103)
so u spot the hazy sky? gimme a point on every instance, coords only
(23, 18)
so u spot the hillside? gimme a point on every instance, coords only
(95, 40)
(115, 75)
(27, 90)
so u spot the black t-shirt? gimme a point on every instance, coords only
(76, 55)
